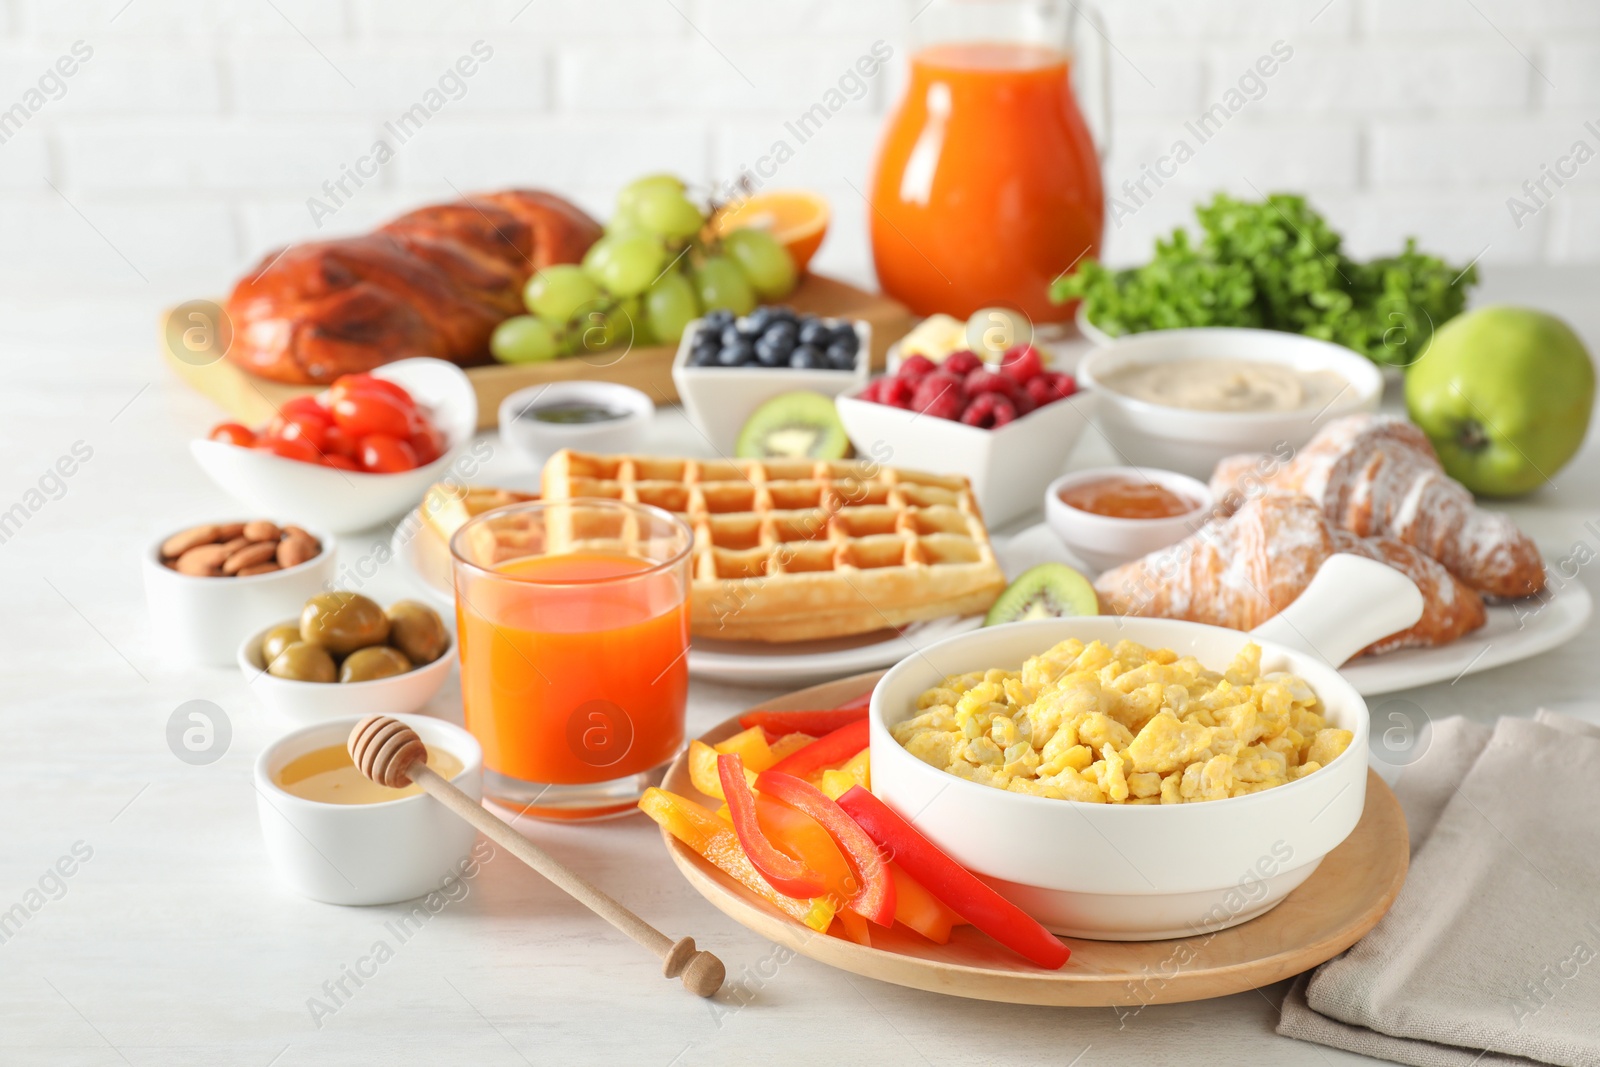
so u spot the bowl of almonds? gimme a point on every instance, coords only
(209, 585)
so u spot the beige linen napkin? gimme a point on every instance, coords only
(1494, 943)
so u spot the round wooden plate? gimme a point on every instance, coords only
(1328, 913)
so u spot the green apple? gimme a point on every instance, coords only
(1504, 394)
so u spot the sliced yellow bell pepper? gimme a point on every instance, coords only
(714, 839)
(703, 770)
(788, 745)
(854, 771)
(751, 747)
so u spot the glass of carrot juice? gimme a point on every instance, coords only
(574, 638)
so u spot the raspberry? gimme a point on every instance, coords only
(939, 395)
(989, 410)
(873, 391)
(1023, 402)
(1039, 391)
(896, 392)
(984, 380)
(1064, 385)
(1022, 364)
(915, 366)
(960, 363)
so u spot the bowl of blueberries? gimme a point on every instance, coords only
(727, 366)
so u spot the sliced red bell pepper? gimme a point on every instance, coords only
(815, 723)
(787, 874)
(875, 897)
(861, 701)
(950, 882)
(824, 752)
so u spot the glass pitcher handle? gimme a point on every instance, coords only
(1102, 129)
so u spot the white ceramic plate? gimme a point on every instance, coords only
(426, 564)
(1513, 632)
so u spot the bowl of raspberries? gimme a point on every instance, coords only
(1007, 426)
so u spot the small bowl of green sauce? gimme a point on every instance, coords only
(539, 421)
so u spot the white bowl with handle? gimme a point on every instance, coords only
(1145, 872)
(341, 500)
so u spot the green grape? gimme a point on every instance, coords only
(556, 292)
(767, 263)
(670, 305)
(628, 198)
(604, 324)
(629, 264)
(600, 253)
(668, 213)
(523, 339)
(722, 283)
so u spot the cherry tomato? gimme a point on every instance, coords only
(290, 448)
(350, 384)
(426, 441)
(232, 433)
(385, 454)
(305, 405)
(338, 443)
(344, 463)
(312, 429)
(360, 414)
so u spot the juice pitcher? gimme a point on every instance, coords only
(987, 184)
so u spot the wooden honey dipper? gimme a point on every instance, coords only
(390, 753)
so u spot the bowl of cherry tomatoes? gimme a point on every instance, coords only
(361, 452)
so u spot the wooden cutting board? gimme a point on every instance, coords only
(252, 400)
(1344, 898)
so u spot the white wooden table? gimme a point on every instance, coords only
(172, 944)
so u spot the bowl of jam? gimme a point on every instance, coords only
(541, 420)
(1110, 515)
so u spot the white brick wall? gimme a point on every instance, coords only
(188, 145)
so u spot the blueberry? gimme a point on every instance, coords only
(808, 357)
(703, 357)
(781, 339)
(756, 323)
(738, 355)
(782, 331)
(718, 318)
(770, 355)
(844, 336)
(814, 332)
(842, 357)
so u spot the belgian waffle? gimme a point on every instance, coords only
(797, 550)
(446, 507)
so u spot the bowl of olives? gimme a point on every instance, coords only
(347, 655)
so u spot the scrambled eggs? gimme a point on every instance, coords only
(1124, 725)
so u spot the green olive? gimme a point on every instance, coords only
(379, 661)
(343, 622)
(417, 630)
(301, 661)
(278, 638)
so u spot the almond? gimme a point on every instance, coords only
(179, 543)
(229, 530)
(295, 550)
(233, 545)
(249, 554)
(203, 561)
(296, 531)
(261, 530)
(259, 568)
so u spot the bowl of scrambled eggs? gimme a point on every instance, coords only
(1124, 778)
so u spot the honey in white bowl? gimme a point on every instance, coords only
(329, 776)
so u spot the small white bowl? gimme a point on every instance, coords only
(720, 400)
(350, 500)
(367, 853)
(200, 621)
(1154, 435)
(536, 441)
(1104, 542)
(1008, 466)
(314, 702)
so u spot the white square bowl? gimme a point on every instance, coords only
(720, 400)
(1008, 467)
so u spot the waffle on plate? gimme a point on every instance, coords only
(798, 550)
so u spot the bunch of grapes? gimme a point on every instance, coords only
(658, 267)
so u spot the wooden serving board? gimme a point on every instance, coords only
(252, 400)
(1346, 896)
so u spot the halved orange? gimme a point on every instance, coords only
(796, 217)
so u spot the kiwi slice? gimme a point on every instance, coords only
(799, 425)
(1048, 591)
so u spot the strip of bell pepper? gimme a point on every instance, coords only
(712, 838)
(953, 884)
(825, 752)
(815, 723)
(919, 909)
(787, 874)
(875, 897)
